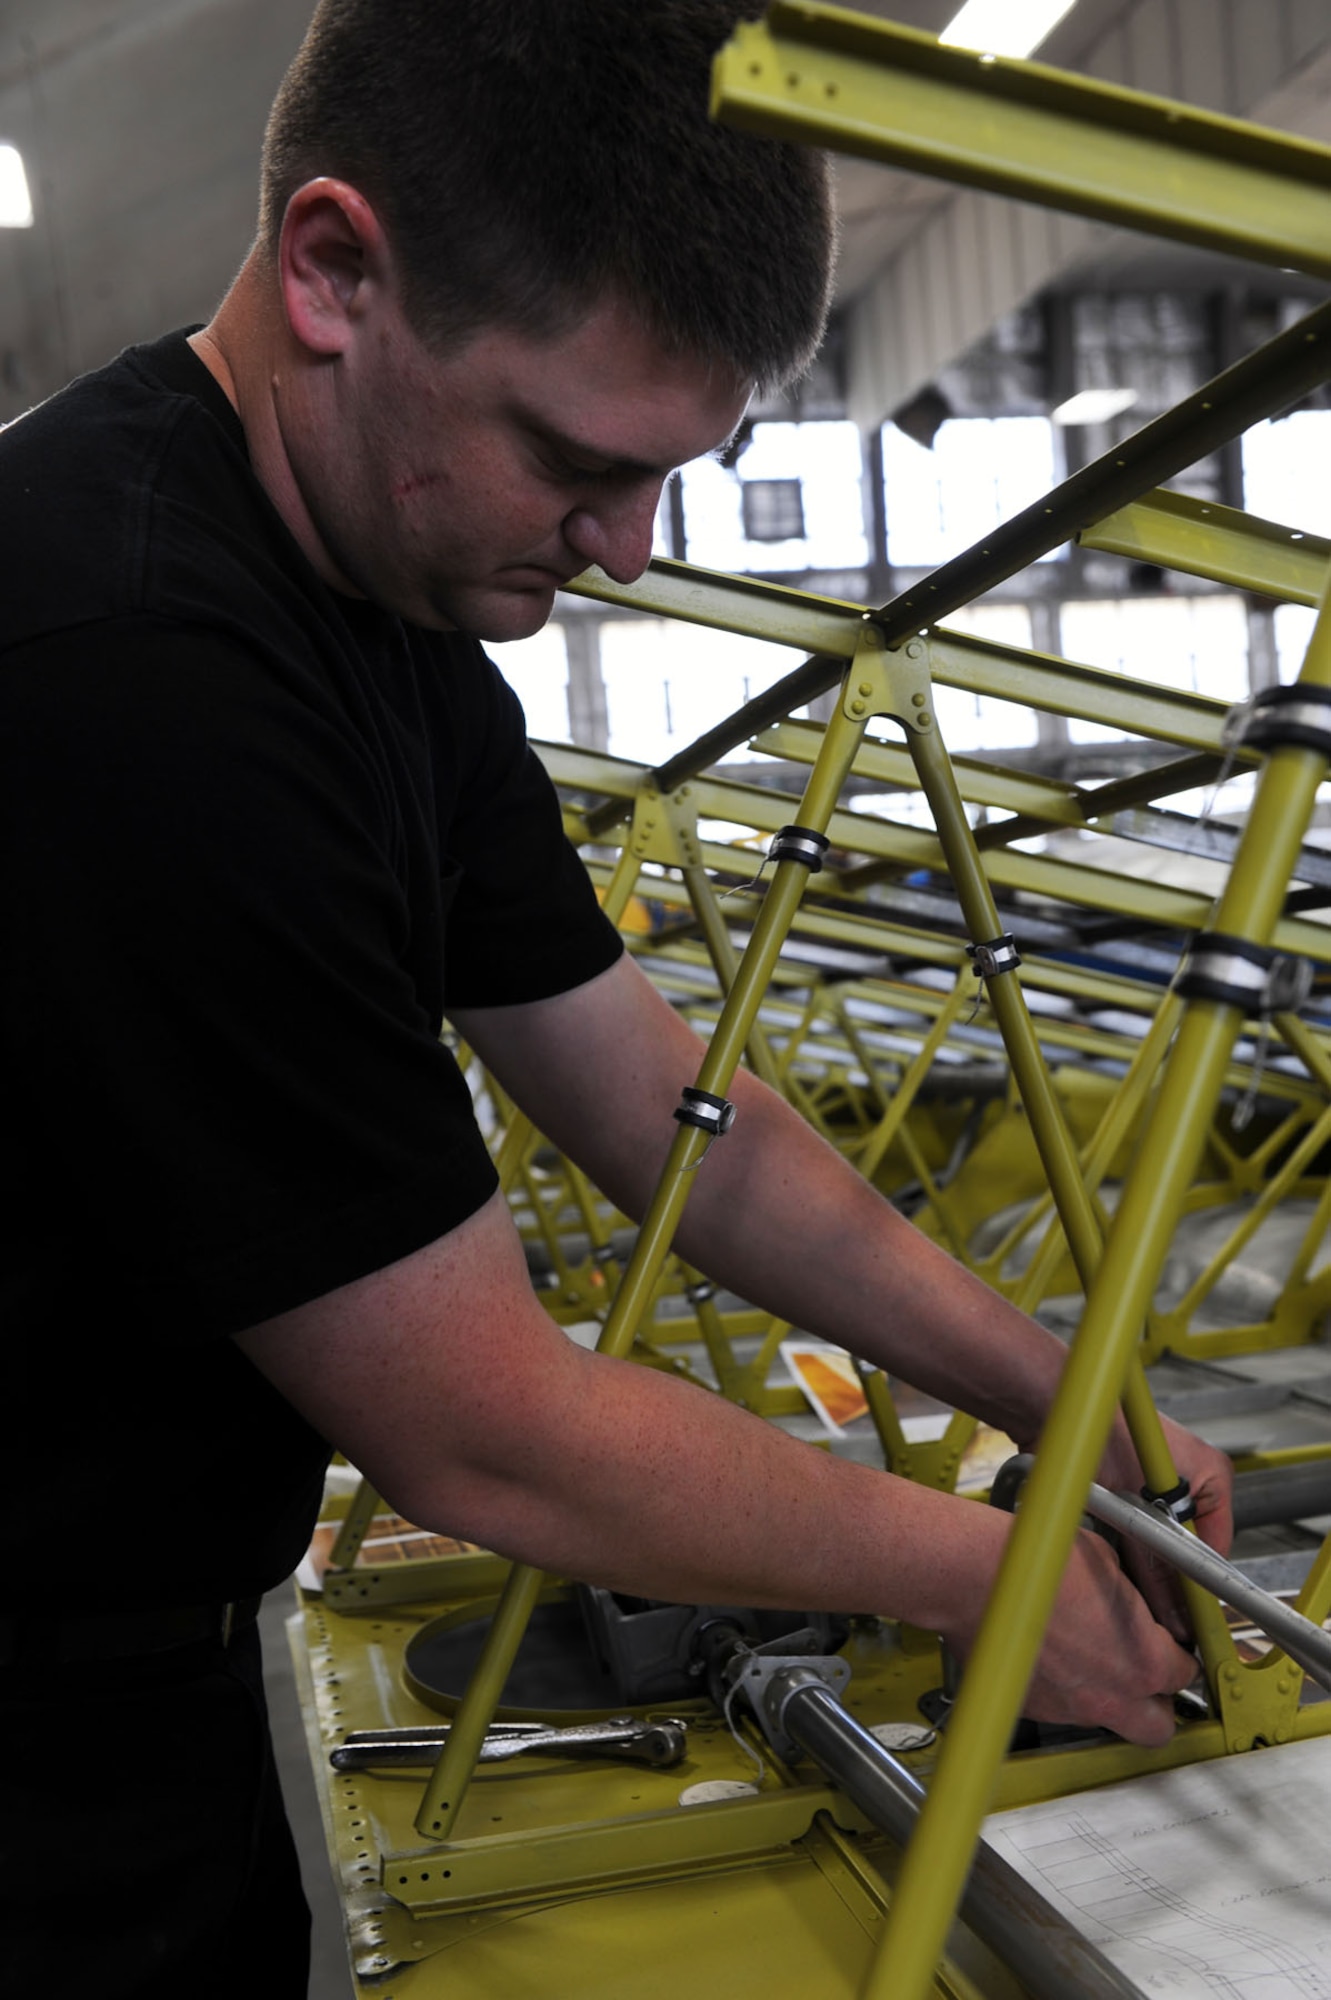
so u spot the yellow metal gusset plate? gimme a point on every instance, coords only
(830, 77)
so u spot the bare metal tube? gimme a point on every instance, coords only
(1049, 1958)
(1282, 1493)
(1305, 1643)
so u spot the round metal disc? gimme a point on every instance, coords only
(903, 1735)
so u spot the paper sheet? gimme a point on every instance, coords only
(827, 1377)
(1214, 1879)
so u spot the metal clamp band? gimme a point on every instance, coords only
(1178, 1503)
(999, 955)
(799, 843)
(1238, 973)
(1287, 714)
(709, 1113)
(699, 1294)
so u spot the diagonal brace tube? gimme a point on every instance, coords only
(448, 1782)
(1024, 1592)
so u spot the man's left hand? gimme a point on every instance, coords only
(1210, 1477)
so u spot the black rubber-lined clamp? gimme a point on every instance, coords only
(605, 1253)
(1178, 1502)
(999, 955)
(710, 1114)
(1288, 714)
(699, 1294)
(799, 843)
(1238, 973)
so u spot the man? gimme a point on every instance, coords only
(269, 814)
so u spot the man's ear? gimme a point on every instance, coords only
(333, 260)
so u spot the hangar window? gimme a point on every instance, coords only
(15, 199)
(977, 472)
(772, 509)
(793, 504)
(1284, 471)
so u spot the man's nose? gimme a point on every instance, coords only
(617, 534)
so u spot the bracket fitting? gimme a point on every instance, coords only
(768, 1680)
(665, 828)
(898, 684)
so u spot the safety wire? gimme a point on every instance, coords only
(727, 1708)
(746, 888)
(1241, 1116)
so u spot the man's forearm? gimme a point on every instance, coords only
(780, 1218)
(444, 1381)
(637, 1481)
(774, 1212)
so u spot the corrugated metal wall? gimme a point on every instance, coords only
(981, 256)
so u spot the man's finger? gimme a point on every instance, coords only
(1151, 1722)
(1148, 1719)
(1158, 1583)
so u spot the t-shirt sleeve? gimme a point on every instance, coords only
(227, 1077)
(525, 922)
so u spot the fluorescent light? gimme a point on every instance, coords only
(1094, 406)
(15, 201)
(1004, 27)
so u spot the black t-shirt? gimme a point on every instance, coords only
(255, 838)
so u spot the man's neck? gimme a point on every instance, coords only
(214, 360)
(245, 348)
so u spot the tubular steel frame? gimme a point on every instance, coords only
(816, 72)
(819, 73)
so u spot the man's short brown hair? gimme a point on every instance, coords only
(528, 157)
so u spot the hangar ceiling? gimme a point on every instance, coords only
(140, 123)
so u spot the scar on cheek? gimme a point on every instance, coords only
(415, 482)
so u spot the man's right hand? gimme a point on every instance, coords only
(1105, 1662)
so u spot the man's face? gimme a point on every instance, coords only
(463, 491)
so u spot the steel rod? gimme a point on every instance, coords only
(1050, 1959)
(1305, 1643)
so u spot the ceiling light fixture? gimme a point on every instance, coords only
(15, 200)
(1004, 27)
(1094, 406)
